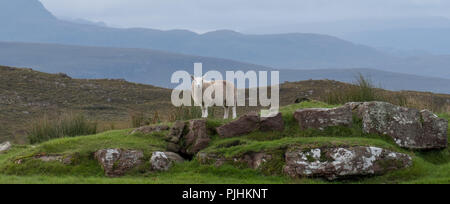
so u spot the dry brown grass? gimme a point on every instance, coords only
(26, 95)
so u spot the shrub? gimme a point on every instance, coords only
(68, 125)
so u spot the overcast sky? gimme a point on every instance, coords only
(240, 15)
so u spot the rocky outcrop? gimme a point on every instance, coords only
(150, 129)
(340, 162)
(197, 137)
(244, 125)
(5, 147)
(273, 123)
(174, 136)
(410, 128)
(116, 162)
(162, 161)
(320, 118)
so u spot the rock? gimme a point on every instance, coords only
(67, 160)
(434, 131)
(244, 125)
(339, 162)
(210, 158)
(150, 129)
(162, 161)
(410, 128)
(197, 138)
(5, 147)
(275, 123)
(251, 160)
(255, 160)
(176, 132)
(172, 147)
(320, 118)
(116, 162)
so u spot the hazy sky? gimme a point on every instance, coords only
(206, 15)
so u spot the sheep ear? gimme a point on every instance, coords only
(192, 77)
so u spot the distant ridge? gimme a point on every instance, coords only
(156, 67)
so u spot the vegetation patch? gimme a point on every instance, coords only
(68, 125)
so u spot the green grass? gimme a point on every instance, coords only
(82, 149)
(428, 167)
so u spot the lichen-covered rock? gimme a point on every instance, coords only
(197, 138)
(150, 129)
(5, 147)
(116, 162)
(244, 125)
(274, 123)
(434, 131)
(340, 162)
(320, 118)
(162, 161)
(410, 128)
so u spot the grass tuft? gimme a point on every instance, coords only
(68, 125)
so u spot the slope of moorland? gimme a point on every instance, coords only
(428, 167)
(26, 95)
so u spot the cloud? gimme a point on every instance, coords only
(204, 15)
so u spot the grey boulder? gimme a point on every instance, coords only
(320, 118)
(116, 162)
(343, 162)
(162, 161)
(409, 128)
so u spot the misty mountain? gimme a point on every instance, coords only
(434, 40)
(156, 67)
(412, 34)
(281, 51)
(277, 50)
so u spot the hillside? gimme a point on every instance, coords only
(139, 65)
(28, 21)
(26, 94)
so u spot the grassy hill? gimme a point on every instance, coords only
(428, 167)
(26, 95)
